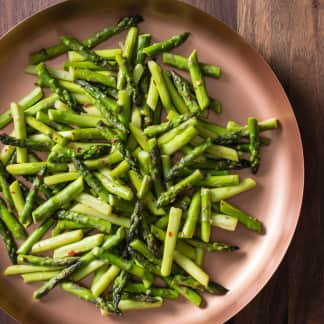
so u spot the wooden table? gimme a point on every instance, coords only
(290, 35)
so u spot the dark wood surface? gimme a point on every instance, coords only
(290, 35)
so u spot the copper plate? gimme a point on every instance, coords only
(248, 87)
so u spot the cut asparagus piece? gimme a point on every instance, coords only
(54, 203)
(198, 81)
(170, 195)
(57, 241)
(166, 45)
(181, 62)
(218, 194)
(170, 241)
(245, 219)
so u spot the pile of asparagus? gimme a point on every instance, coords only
(131, 177)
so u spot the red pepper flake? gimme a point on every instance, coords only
(170, 234)
(38, 176)
(78, 149)
(87, 105)
(71, 253)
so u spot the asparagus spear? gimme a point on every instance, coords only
(62, 154)
(170, 240)
(75, 45)
(49, 285)
(212, 246)
(57, 241)
(192, 216)
(188, 159)
(25, 143)
(31, 196)
(7, 153)
(245, 219)
(142, 42)
(155, 166)
(35, 236)
(225, 222)
(105, 106)
(90, 222)
(166, 45)
(124, 101)
(156, 130)
(126, 265)
(70, 118)
(152, 291)
(91, 180)
(9, 242)
(78, 246)
(169, 196)
(191, 268)
(205, 214)
(186, 292)
(152, 98)
(92, 41)
(56, 88)
(220, 180)
(17, 113)
(198, 81)
(212, 288)
(23, 268)
(254, 144)
(55, 202)
(181, 63)
(33, 168)
(108, 54)
(17, 197)
(157, 77)
(118, 287)
(5, 188)
(149, 199)
(184, 89)
(114, 186)
(46, 261)
(39, 276)
(131, 85)
(218, 194)
(119, 145)
(94, 203)
(105, 280)
(43, 104)
(179, 141)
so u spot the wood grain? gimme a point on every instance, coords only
(289, 34)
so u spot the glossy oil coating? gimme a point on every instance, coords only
(248, 87)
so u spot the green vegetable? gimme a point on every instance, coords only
(54, 203)
(170, 240)
(166, 45)
(198, 81)
(17, 113)
(181, 63)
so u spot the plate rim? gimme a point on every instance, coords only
(265, 278)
